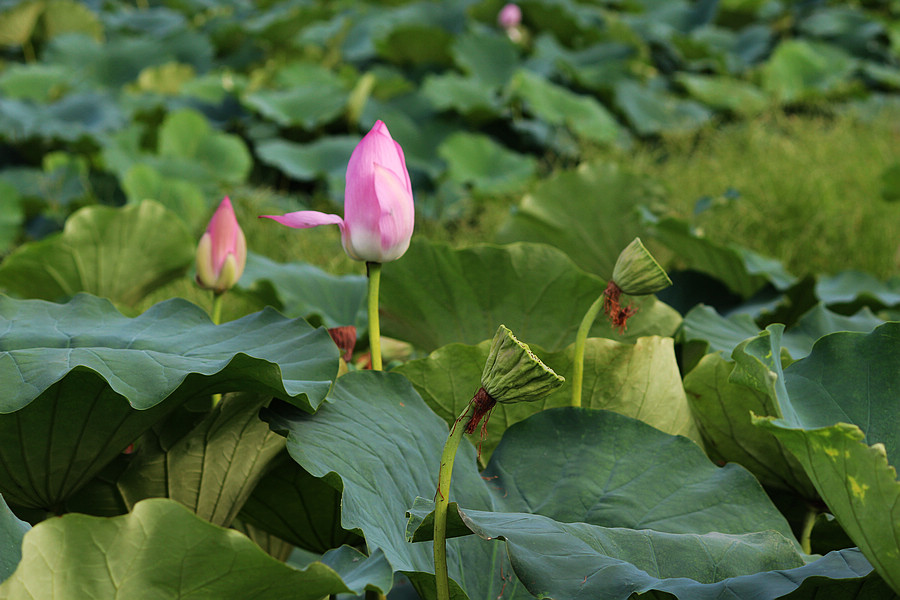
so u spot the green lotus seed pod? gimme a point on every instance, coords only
(513, 373)
(637, 273)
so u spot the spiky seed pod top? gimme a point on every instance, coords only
(513, 373)
(637, 273)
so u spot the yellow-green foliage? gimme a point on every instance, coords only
(810, 188)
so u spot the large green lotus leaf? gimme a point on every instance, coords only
(640, 380)
(801, 70)
(68, 16)
(213, 468)
(597, 67)
(583, 115)
(651, 111)
(302, 290)
(580, 560)
(417, 45)
(12, 530)
(57, 184)
(298, 508)
(18, 22)
(723, 334)
(487, 56)
(435, 296)
(597, 467)
(466, 95)
(743, 271)
(186, 136)
(34, 81)
(725, 93)
(11, 215)
(837, 415)
(591, 214)
(160, 550)
(118, 253)
(101, 496)
(869, 587)
(720, 333)
(92, 380)
(183, 198)
(147, 358)
(188, 149)
(88, 115)
(383, 471)
(312, 96)
(854, 288)
(325, 158)
(360, 572)
(476, 159)
(120, 60)
(722, 410)
(273, 545)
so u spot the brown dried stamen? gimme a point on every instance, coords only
(345, 339)
(618, 315)
(482, 404)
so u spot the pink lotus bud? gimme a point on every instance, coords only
(510, 16)
(222, 251)
(378, 203)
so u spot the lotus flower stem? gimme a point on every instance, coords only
(442, 501)
(580, 341)
(217, 309)
(373, 271)
(217, 320)
(806, 535)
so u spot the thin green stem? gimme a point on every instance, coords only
(373, 271)
(217, 319)
(28, 51)
(217, 308)
(580, 341)
(441, 502)
(806, 535)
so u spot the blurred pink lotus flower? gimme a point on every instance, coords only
(378, 203)
(510, 16)
(222, 251)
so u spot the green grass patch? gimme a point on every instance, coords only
(810, 188)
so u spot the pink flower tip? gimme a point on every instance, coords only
(510, 16)
(222, 251)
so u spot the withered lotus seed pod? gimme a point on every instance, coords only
(637, 273)
(513, 373)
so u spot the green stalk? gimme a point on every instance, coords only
(806, 535)
(217, 308)
(217, 319)
(580, 340)
(441, 502)
(373, 271)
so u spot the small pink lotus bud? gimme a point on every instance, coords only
(222, 251)
(510, 16)
(378, 203)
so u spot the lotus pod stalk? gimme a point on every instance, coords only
(512, 373)
(637, 274)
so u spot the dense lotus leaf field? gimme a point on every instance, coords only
(736, 438)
